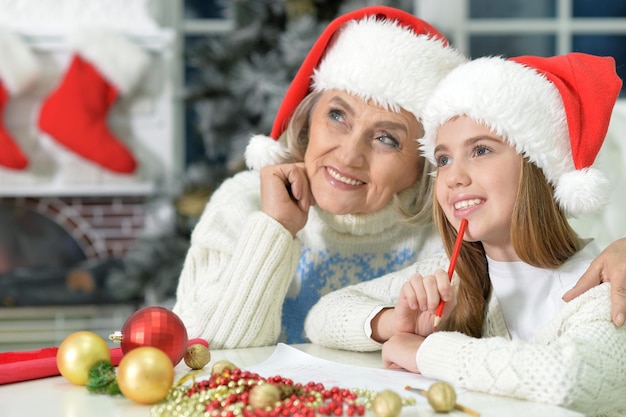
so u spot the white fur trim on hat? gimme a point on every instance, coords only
(263, 151)
(387, 63)
(19, 68)
(524, 107)
(582, 191)
(120, 61)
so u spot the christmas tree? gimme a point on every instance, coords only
(236, 82)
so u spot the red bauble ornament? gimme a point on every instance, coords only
(157, 327)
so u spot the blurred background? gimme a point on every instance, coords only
(82, 247)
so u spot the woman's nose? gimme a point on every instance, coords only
(353, 150)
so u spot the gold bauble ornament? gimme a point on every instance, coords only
(197, 356)
(264, 395)
(78, 353)
(387, 404)
(220, 366)
(441, 397)
(145, 375)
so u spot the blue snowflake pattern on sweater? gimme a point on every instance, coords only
(321, 272)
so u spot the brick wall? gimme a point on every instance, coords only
(102, 226)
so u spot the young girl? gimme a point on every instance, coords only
(513, 142)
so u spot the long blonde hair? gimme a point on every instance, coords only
(541, 236)
(296, 137)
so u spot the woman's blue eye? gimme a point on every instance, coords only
(335, 115)
(388, 141)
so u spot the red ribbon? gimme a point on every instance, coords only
(42, 363)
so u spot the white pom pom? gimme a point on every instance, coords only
(263, 151)
(583, 191)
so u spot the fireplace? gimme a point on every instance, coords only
(57, 250)
(55, 254)
(64, 221)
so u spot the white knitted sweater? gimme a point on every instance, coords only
(577, 360)
(340, 320)
(247, 282)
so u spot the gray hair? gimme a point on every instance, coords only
(417, 210)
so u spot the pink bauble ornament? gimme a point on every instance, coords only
(154, 326)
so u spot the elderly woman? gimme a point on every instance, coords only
(323, 206)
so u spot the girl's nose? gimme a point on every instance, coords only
(457, 175)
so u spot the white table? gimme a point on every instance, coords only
(56, 397)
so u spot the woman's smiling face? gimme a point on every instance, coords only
(359, 155)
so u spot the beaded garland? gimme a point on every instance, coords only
(226, 394)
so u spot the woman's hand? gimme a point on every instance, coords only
(286, 195)
(400, 350)
(609, 266)
(418, 301)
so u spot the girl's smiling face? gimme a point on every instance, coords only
(359, 155)
(478, 176)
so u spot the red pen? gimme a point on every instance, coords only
(453, 258)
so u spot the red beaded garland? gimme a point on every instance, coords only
(297, 400)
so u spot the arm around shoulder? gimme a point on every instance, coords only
(609, 266)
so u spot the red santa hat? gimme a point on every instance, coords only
(376, 53)
(555, 111)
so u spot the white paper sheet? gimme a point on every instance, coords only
(301, 367)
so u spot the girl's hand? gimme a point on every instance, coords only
(418, 301)
(400, 350)
(286, 195)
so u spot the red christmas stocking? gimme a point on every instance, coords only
(18, 71)
(103, 67)
(11, 156)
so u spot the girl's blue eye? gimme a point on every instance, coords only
(442, 161)
(481, 150)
